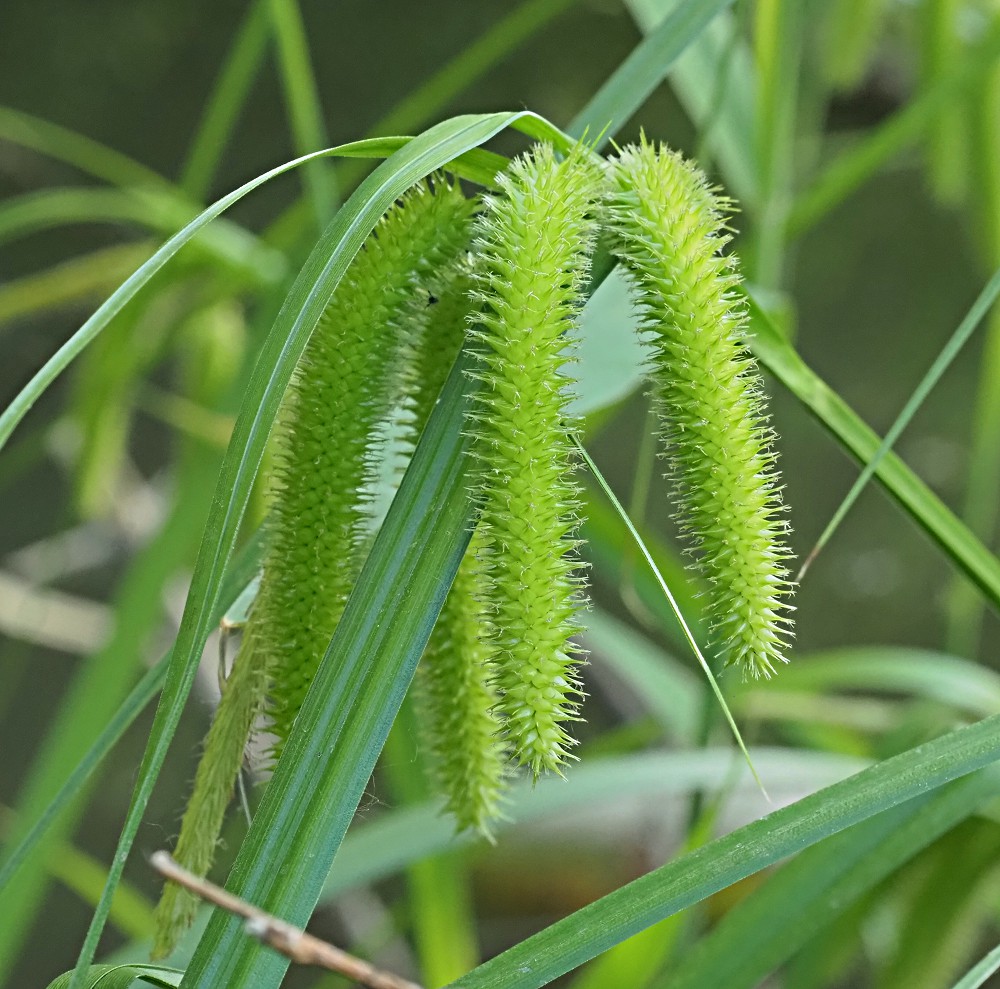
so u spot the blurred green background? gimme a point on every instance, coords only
(870, 292)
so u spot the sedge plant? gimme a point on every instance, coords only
(500, 676)
(442, 325)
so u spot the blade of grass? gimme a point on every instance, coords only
(81, 152)
(778, 39)
(352, 701)
(968, 687)
(953, 537)
(302, 100)
(71, 282)
(981, 971)
(305, 303)
(149, 209)
(949, 352)
(48, 208)
(122, 977)
(646, 67)
(979, 510)
(674, 607)
(779, 917)
(665, 891)
(226, 102)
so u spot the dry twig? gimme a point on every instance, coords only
(295, 944)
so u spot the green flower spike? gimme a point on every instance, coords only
(533, 245)
(456, 697)
(667, 227)
(337, 400)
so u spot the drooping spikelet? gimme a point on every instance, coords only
(533, 245)
(338, 398)
(458, 703)
(456, 697)
(339, 394)
(667, 227)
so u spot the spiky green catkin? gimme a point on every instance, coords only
(455, 694)
(458, 704)
(533, 250)
(338, 396)
(242, 704)
(667, 227)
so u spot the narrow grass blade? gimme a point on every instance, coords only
(968, 687)
(646, 67)
(227, 100)
(49, 208)
(954, 538)
(949, 352)
(81, 152)
(304, 305)
(778, 40)
(981, 508)
(665, 891)
(805, 896)
(72, 282)
(671, 600)
(981, 971)
(303, 103)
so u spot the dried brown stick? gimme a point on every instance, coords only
(294, 943)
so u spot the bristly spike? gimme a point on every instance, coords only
(455, 694)
(667, 227)
(533, 250)
(340, 395)
(336, 402)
